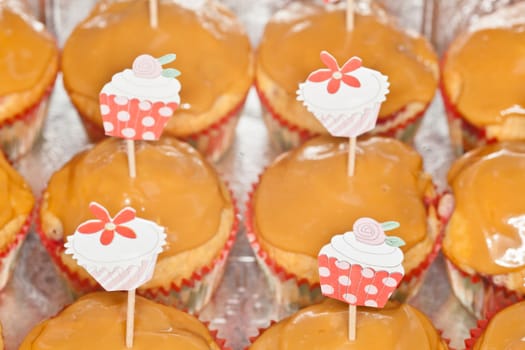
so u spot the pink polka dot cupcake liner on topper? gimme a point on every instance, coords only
(133, 118)
(354, 284)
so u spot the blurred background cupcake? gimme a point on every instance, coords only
(484, 238)
(305, 197)
(503, 330)
(175, 187)
(289, 52)
(28, 68)
(213, 54)
(98, 321)
(325, 326)
(482, 80)
(16, 204)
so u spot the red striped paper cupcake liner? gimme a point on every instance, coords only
(19, 132)
(191, 294)
(475, 333)
(213, 142)
(285, 135)
(294, 291)
(9, 253)
(464, 135)
(478, 293)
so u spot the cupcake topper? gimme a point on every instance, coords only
(345, 99)
(349, 13)
(138, 102)
(362, 267)
(119, 252)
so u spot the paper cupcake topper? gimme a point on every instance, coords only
(345, 99)
(138, 102)
(362, 267)
(120, 252)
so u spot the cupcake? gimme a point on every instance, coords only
(482, 80)
(28, 67)
(1, 338)
(483, 238)
(98, 321)
(289, 51)
(16, 204)
(306, 196)
(174, 187)
(214, 54)
(325, 326)
(502, 331)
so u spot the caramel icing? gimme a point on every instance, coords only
(486, 232)
(16, 202)
(1, 339)
(306, 196)
(325, 326)
(98, 321)
(26, 50)
(504, 331)
(174, 187)
(484, 68)
(213, 54)
(295, 36)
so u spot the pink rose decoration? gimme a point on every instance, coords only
(147, 67)
(369, 231)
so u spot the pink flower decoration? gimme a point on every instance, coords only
(369, 231)
(107, 224)
(330, 1)
(334, 74)
(147, 67)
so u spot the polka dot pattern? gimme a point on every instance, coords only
(354, 284)
(134, 119)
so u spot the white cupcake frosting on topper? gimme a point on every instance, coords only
(147, 80)
(368, 246)
(346, 99)
(119, 252)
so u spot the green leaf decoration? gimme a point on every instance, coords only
(390, 225)
(167, 58)
(170, 73)
(394, 241)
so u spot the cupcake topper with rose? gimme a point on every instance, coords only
(119, 252)
(138, 103)
(345, 99)
(362, 267)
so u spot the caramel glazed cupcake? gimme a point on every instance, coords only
(174, 187)
(28, 68)
(306, 196)
(290, 48)
(482, 82)
(98, 321)
(325, 326)
(213, 54)
(484, 238)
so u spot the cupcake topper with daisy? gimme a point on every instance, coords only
(119, 252)
(138, 103)
(345, 99)
(362, 267)
(349, 13)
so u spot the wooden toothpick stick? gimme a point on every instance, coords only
(153, 13)
(352, 315)
(350, 15)
(131, 158)
(130, 319)
(351, 156)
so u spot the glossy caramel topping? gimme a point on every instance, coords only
(505, 330)
(484, 69)
(98, 321)
(306, 196)
(26, 50)
(174, 187)
(325, 326)
(295, 36)
(16, 198)
(487, 229)
(213, 51)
